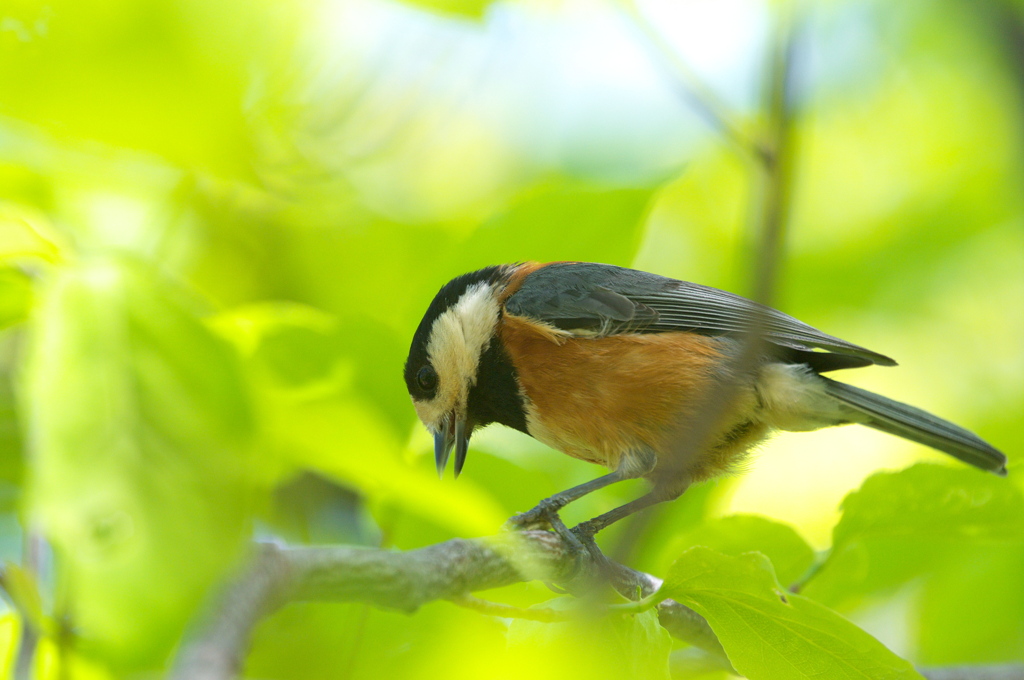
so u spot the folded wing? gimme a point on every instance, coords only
(596, 300)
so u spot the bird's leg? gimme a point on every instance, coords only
(636, 463)
(545, 514)
(585, 531)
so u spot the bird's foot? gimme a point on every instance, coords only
(585, 531)
(584, 534)
(620, 577)
(539, 517)
(545, 517)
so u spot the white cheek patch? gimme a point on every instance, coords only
(428, 413)
(457, 339)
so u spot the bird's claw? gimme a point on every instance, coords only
(544, 517)
(539, 517)
(579, 539)
(585, 531)
(584, 535)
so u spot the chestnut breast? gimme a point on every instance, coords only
(597, 398)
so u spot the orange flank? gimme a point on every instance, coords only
(607, 396)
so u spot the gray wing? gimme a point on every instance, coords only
(598, 299)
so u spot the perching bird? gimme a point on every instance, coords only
(607, 364)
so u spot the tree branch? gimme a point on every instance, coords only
(217, 649)
(1013, 671)
(403, 580)
(406, 580)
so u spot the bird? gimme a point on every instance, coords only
(616, 366)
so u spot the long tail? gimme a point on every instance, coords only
(918, 426)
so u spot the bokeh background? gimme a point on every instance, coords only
(221, 220)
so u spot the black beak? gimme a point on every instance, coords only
(461, 446)
(449, 436)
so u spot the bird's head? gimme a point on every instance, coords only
(445, 357)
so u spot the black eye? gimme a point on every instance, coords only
(426, 378)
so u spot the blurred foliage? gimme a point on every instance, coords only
(141, 429)
(221, 221)
(626, 646)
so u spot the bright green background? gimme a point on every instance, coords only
(203, 335)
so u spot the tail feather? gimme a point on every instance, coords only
(917, 425)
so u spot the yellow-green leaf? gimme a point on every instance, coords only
(898, 525)
(946, 503)
(770, 634)
(312, 418)
(737, 534)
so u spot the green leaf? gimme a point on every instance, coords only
(10, 627)
(177, 94)
(900, 524)
(326, 641)
(770, 634)
(972, 608)
(22, 588)
(12, 455)
(943, 503)
(25, 236)
(592, 645)
(344, 439)
(140, 427)
(789, 553)
(53, 663)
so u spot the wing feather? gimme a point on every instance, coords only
(589, 299)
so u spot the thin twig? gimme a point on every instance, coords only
(507, 611)
(820, 562)
(638, 606)
(691, 87)
(775, 157)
